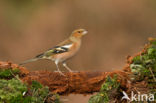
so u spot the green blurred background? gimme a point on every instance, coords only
(117, 28)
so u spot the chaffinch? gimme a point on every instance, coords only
(63, 51)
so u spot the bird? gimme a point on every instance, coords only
(63, 51)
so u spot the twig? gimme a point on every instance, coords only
(15, 76)
(152, 74)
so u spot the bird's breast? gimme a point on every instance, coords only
(66, 55)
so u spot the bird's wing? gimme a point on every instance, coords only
(55, 50)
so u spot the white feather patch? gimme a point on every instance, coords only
(67, 46)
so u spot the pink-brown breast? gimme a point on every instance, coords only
(66, 55)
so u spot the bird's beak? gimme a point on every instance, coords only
(85, 32)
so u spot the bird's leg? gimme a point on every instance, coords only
(65, 65)
(58, 70)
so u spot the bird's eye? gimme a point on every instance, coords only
(79, 31)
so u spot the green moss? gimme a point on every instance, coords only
(144, 65)
(107, 88)
(39, 93)
(36, 85)
(8, 73)
(12, 90)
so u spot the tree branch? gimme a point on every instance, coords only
(81, 82)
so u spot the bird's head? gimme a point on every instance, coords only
(79, 33)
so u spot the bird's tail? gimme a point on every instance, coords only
(28, 61)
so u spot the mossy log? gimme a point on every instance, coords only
(80, 83)
(73, 82)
